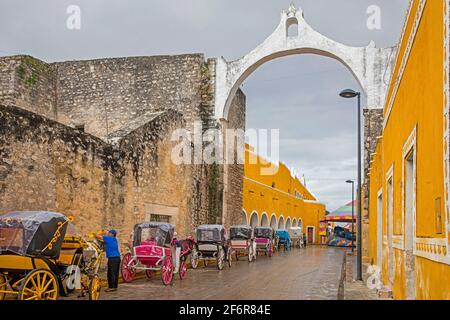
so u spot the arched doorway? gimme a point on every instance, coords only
(300, 223)
(264, 220)
(281, 222)
(273, 221)
(288, 222)
(294, 222)
(254, 220)
(244, 218)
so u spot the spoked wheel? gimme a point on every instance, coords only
(167, 271)
(220, 258)
(183, 269)
(128, 268)
(149, 273)
(94, 288)
(3, 286)
(39, 284)
(194, 258)
(229, 258)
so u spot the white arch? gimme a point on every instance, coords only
(273, 221)
(294, 222)
(254, 219)
(264, 220)
(300, 223)
(281, 222)
(244, 217)
(288, 223)
(370, 66)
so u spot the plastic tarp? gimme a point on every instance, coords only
(262, 232)
(241, 232)
(210, 233)
(33, 233)
(283, 234)
(159, 232)
(295, 232)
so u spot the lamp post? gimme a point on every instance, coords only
(353, 211)
(349, 94)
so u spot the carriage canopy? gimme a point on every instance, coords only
(282, 234)
(264, 232)
(33, 233)
(159, 232)
(241, 232)
(295, 232)
(210, 233)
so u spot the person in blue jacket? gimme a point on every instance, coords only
(113, 255)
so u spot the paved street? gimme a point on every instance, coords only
(311, 273)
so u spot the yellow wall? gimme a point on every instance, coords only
(288, 198)
(418, 102)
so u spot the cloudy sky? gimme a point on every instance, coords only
(297, 94)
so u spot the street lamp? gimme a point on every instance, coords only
(349, 94)
(353, 211)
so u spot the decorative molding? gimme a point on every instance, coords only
(434, 249)
(398, 242)
(404, 60)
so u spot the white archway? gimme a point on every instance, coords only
(300, 223)
(281, 222)
(370, 66)
(273, 221)
(294, 222)
(264, 220)
(254, 219)
(288, 222)
(244, 218)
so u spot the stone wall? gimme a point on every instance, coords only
(28, 83)
(46, 165)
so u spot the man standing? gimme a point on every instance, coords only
(113, 255)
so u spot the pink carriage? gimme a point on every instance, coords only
(264, 237)
(242, 242)
(156, 249)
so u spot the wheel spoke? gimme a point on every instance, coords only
(43, 279)
(32, 297)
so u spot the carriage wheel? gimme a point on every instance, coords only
(194, 258)
(94, 288)
(128, 268)
(183, 269)
(250, 253)
(167, 271)
(270, 252)
(149, 274)
(229, 257)
(237, 256)
(220, 258)
(205, 263)
(3, 286)
(39, 284)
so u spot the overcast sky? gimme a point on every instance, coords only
(297, 94)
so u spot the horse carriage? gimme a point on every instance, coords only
(212, 244)
(264, 239)
(242, 242)
(156, 249)
(42, 257)
(284, 240)
(296, 235)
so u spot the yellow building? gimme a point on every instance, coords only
(408, 200)
(278, 200)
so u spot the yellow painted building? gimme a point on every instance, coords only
(278, 200)
(408, 200)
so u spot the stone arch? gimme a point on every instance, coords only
(254, 219)
(294, 222)
(370, 66)
(264, 220)
(281, 224)
(288, 223)
(244, 217)
(273, 221)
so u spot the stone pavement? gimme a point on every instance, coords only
(311, 273)
(356, 290)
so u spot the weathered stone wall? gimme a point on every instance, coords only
(235, 172)
(28, 83)
(45, 165)
(106, 94)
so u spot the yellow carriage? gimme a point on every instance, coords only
(42, 257)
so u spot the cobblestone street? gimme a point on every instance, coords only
(312, 273)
